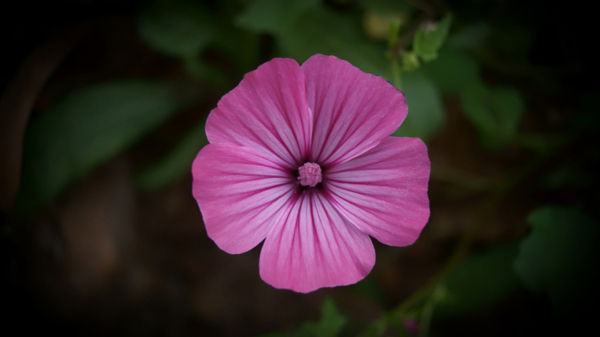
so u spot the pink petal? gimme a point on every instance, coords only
(384, 191)
(240, 194)
(266, 112)
(353, 111)
(312, 247)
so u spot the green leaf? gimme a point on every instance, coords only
(304, 28)
(370, 289)
(199, 69)
(586, 120)
(470, 37)
(453, 71)
(86, 129)
(511, 41)
(426, 113)
(332, 321)
(241, 46)
(570, 175)
(176, 28)
(274, 16)
(330, 324)
(410, 62)
(387, 6)
(430, 38)
(479, 282)
(326, 32)
(495, 113)
(177, 163)
(307, 329)
(561, 257)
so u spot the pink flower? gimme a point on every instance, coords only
(301, 157)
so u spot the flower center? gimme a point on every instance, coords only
(309, 174)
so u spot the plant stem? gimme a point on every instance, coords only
(396, 73)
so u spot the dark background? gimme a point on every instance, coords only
(151, 270)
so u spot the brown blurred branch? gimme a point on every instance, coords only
(17, 102)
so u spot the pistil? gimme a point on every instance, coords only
(309, 174)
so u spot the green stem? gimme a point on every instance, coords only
(396, 73)
(426, 316)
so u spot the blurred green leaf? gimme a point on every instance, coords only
(544, 144)
(470, 37)
(511, 41)
(307, 329)
(238, 45)
(330, 324)
(303, 29)
(86, 129)
(479, 282)
(199, 69)
(176, 28)
(561, 257)
(586, 120)
(332, 321)
(570, 175)
(330, 33)
(426, 113)
(453, 71)
(274, 16)
(177, 163)
(410, 62)
(495, 113)
(387, 6)
(369, 288)
(430, 38)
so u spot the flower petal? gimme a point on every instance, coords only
(312, 247)
(384, 191)
(240, 194)
(266, 112)
(353, 111)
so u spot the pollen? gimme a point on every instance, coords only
(309, 174)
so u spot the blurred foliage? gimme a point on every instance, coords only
(304, 28)
(176, 28)
(330, 325)
(185, 30)
(273, 16)
(454, 71)
(86, 129)
(495, 113)
(426, 113)
(561, 257)
(175, 164)
(387, 7)
(430, 37)
(470, 37)
(479, 282)
(434, 54)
